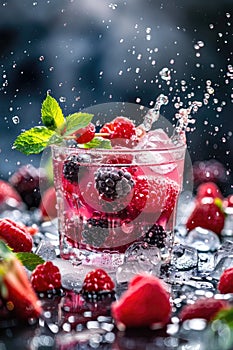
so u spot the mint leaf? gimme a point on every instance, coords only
(225, 316)
(77, 121)
(29, 260)
(98, 142)
(34, 140)
(51, 114)
(5, 251)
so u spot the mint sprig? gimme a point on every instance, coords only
(55, 129)
(29, 260)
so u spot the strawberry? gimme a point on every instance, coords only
(15, 287)
(208, 214)
(96, 281)
(86, 134)
(145, 303)
(225, 284)
(45, 277)
(48, 204)
(205, 308)
(228, 202)
(8, 192)
(121, 130)
(16, 235)
(208, 189)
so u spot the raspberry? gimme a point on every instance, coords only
(207, 214)
(97, 280)
(27, 182)
(86, 134)
(72, 170)
(95, 231)
(135, 309)
(156, 236)
(208, 189)
(113, 183)
(225, 284)
(45, 277)
(121, 131)
(15, 235)
(205, 308)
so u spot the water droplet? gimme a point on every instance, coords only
(165, 74)
(41, 58)
(112, 6)
(15, 119)
(62, 99)
(211, 26)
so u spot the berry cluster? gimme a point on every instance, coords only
(95, 231)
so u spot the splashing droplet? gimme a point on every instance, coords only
(165, 74)
(15, 119)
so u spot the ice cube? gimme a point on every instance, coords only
(46, 250)
(223, 264)
(139, 257)
(155, 139)
(184, 257)
(203, 240)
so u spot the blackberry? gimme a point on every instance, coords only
(27, 181)
(72, 170)
(113, 183)
(95, 231)
(156, 236)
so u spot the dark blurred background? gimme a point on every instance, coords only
(90, 51)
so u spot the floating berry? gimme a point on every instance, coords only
(86, 134)
(145, 303)
(45, 277)
(27, 181)
(208, 214)
(95, 231)
(72, 169)
(225, 284)
(97, 280)
(15, 235)
(205, 308)
(121, 130)
(48, 204)
(113, 183)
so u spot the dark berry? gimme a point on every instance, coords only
(27, 181)
(95, 232)
(86, 134)
(113, 183)
(97, 280)
(45, 277)
(72, 170)
(156, 236)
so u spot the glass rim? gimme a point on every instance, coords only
(177, 147)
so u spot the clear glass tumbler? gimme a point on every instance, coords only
(143, 186)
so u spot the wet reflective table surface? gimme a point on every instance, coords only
(73, 320)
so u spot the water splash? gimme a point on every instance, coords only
(184, 120)
(153, 114)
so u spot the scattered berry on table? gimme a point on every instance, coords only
(27, 181)
(46, 277)
(7, 191)
(86, 134)
(96, 281)
(113, 183)
(225, 284)
(95, 232)
(208, 213)
(72, 169)
(121, 130)
(208, 189)
(16, 235)
(156, 235)
(144, 304)
(205, 308)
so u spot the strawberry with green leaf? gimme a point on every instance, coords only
(57, 128)
(15, 287)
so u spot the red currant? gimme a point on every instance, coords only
(86, 134)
